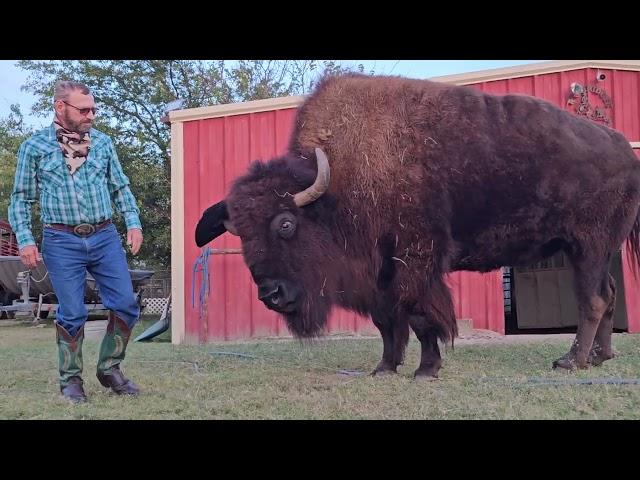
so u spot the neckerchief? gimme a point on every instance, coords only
(75, 146)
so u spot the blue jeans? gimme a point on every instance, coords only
(69, 257)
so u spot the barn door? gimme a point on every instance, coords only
(544, 294)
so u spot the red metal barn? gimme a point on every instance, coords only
(211, 146)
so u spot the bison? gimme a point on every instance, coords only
(389, 183)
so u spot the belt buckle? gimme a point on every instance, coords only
(84, 229)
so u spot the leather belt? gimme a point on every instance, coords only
(81, 230)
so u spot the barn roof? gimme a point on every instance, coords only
(536, 69)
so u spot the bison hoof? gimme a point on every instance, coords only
(564, 363)
(422, 377)
(426, 373)
(569, 362)
(383, 370)
(598, 358)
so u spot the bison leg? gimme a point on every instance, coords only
(400, 337)
(430, 361)
(395, 334)
(601, 349)
(387, 363)
(591, 288)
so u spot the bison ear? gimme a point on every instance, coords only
(212, 224)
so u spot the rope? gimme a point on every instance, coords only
(42, 279)
(584, 381)
(31, 275)
(201, 265)
(347, 372)
(535, 381)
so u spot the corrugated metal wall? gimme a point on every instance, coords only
(218, 150)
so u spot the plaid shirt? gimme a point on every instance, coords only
(84, 197)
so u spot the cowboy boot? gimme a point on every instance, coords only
(70, 364)
(112, 352)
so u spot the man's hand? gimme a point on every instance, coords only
(134, 239)
(29, 256)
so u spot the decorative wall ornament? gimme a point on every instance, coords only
(596, 107)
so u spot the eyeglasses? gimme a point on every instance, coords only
(83, 111)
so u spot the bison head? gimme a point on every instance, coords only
(288, 236)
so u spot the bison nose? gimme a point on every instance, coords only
(271, 292)
(275, 293)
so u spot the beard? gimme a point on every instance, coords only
(310, 320)
(79, 127)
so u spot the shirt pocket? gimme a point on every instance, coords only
(97, 169)
(52, 172)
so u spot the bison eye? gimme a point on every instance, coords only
(284, 224)
(287, 228)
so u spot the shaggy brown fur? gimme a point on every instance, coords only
(427, 178)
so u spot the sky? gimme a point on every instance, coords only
(12, 77)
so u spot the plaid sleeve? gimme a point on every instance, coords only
(23, 196)
(120, 191)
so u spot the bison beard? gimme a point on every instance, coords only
(310, 321)
(427, 179)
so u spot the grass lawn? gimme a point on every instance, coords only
(284, 379)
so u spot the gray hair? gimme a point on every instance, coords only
(64, 87)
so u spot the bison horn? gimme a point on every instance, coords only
(321, 184)
(230, 228)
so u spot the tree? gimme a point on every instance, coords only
(13, 131)
(132, 96)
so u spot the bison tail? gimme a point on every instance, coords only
(633, 246)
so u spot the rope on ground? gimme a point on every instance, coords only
(560, 382)
(346, 372)
(584, 381)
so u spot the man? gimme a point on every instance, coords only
(77, 172)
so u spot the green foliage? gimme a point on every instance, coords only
(13, 132)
